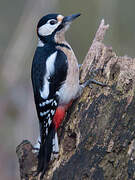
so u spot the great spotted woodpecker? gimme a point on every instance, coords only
(55, 80)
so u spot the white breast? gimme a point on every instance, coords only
(68, 92)
(70, 87)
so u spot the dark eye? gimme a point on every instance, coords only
(52, 22)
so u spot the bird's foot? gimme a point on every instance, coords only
(93, 81)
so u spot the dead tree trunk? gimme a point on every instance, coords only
(97, 138)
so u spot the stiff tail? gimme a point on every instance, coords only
(45, 151)
(55, 146)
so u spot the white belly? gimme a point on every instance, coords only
(68, 93)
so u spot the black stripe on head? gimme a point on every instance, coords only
(44, 19)
(60, 27)
(46, 39)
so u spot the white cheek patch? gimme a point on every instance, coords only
(47, 29)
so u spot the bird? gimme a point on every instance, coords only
(55, 81)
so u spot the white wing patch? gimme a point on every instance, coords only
(46, 102)
(49, 70)
(45, 92)
(44, 113)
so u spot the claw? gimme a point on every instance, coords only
(94, 82)
(35, 173)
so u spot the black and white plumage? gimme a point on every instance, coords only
(48, 74)
(55, 80)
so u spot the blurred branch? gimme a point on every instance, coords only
(94, 52)
(99, 131)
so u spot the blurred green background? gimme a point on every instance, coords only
(18, 40)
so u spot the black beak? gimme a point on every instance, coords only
(68, 19)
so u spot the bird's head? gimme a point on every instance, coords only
(51, 25)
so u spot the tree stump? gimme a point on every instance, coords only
(97, 138)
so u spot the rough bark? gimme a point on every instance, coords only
(97, 138)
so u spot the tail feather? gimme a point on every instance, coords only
(55, 144)
(45, 151)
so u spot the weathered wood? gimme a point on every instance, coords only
(97, 138)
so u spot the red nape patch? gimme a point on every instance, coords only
(59, 116)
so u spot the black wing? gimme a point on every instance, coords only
(55, 81)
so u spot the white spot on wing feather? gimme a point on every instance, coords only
(55, 103)
(48, 116)
(48, 101)
(49, 121)
(45, 102)
(52, 112)
(44, 113)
